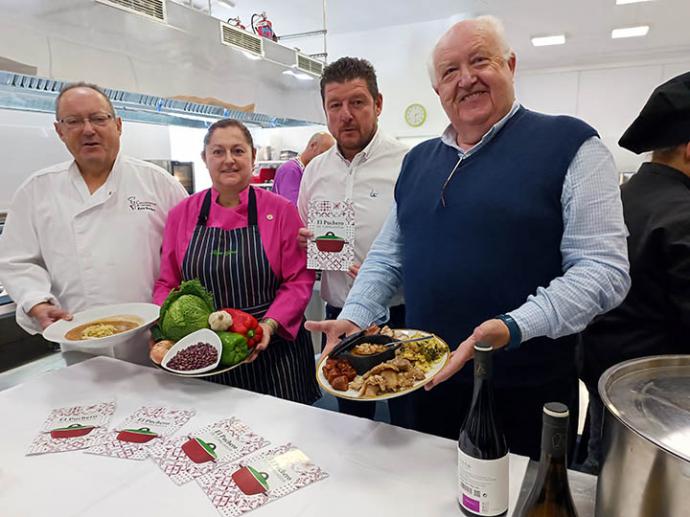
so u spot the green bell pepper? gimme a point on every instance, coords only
(235, 349)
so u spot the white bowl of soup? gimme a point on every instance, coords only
(104, 325)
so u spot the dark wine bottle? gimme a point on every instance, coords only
(482, 449)
(550, 494)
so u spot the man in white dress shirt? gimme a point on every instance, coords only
(363, 167)
(87, 232)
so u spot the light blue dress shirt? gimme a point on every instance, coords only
(595, 258)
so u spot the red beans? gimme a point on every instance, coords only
(194, 357)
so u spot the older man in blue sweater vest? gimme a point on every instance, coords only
(508, 229)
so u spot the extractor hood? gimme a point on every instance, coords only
(127, 52)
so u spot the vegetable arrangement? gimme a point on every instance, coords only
(191, 307)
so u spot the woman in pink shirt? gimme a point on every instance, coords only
(241, 243)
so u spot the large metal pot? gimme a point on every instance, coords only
(646, 441)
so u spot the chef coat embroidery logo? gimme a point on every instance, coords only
(223, 253)
(135, 204)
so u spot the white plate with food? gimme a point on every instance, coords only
(106, 325)
(383, 372)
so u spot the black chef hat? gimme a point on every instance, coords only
(665, 119)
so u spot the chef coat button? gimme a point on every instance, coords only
(269, 217)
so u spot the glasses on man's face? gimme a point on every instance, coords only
(97, 119)
(450, 177)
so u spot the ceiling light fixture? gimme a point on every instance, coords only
(630, 32)
(543, 41)
(231, 3)
(624, 2)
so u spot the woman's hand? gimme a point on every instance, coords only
(263, 344)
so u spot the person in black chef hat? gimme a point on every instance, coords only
(655, 316)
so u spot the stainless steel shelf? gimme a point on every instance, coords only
(32, 93)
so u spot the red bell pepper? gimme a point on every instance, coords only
(247, 325)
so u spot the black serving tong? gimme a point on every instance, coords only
(399, 342)
(346, 342)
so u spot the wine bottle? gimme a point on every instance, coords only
(550, 494)
(482, 449)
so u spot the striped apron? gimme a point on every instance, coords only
(233, 266)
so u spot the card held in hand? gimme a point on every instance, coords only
(333, 226)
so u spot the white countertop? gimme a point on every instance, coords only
(375, 468)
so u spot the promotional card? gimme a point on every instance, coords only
(240, 487)
(188, 457)
(333, 226)
(146, 426)
(73, 428)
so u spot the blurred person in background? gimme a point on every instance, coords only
(86, 232)
(506, 230)
(362, 167)
(241, 244)
(289, 175)
(654, 318)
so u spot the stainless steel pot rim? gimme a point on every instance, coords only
(651, 397)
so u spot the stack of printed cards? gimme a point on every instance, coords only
(131, 439)
(73, 428)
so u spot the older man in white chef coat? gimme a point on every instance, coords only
(86, 232)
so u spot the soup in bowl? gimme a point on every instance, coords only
(105, 327)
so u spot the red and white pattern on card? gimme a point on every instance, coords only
(161, 420)
(231, 501)
(45, 444)
(172, 460)
(332, 223)
(96, 415)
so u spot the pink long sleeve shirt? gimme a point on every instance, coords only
(278, 222)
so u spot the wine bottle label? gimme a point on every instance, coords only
(483, 484)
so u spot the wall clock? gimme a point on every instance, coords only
(415, 115)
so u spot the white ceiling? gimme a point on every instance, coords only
(586, 23)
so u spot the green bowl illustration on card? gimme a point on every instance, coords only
(330, 243)
(141, 435)
(71, 431)
(199, 451)
(250, 480)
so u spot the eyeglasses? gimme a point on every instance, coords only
(450, 177)
(97, 119)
